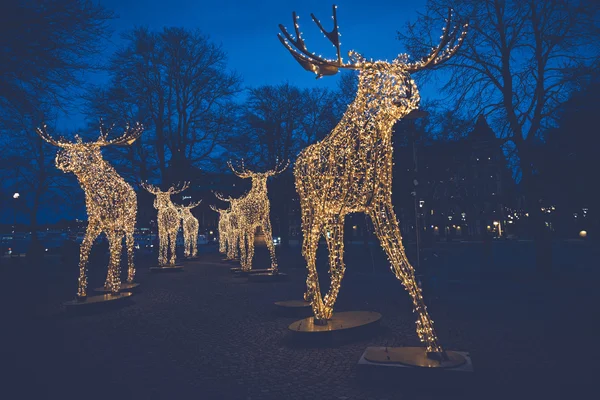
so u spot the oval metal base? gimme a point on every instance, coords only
(95, 300)
(293, 304)
(125, 287)
(168, 268)
(339, 321)
(266, 277)
(412, 356)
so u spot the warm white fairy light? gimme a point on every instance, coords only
(230, 224)
(110, 202)
(190, 229)
(223, 227)
(350, 170)
(168, 221)
(253, 211)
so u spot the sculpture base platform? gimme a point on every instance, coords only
(240, 271)
(411, 364)
(266, 276)
(167, 268)
(342, 327)
(295, 304)
(94, 301)
(125, 287)
(293, 307)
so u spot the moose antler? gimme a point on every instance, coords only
(130, 135)
(150, 188)
(279, 168)
(191, 205)
(218, 210)
(448, 46)
(309, 61)
(223, 198)
(244, 173)
(178, 188)
(43, 133)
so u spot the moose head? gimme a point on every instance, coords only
(259, 179)
(383, 86)
(163, 198)
(78, 157)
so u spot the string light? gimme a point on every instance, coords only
(252, 211)
(168, 221)
(350, 170)
(231, 225)
(110, 202)
(190, 229)
(223, 227)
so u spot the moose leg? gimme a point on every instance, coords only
(91, 234)
(173, 246)
(231, 246)
(388, 232)
(194, 241)
(187, 243)
(129, 242)
(113, 277)
(266, 228)
(163, 245)
(312, 232)
(334, 234)
(250, 248)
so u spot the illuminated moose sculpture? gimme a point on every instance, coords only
(168, 221)
(350, 170)
(190, 229)
(231, 224)
(252, 212)
(224, 229)
(110, 202)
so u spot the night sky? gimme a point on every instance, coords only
(247, 31)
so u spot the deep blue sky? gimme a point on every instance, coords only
(247, 31)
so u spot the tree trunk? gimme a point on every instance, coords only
(541, 233)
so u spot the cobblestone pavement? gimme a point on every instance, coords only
(206, 334)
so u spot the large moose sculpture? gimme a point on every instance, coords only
(168, 221)
(232, 225)
(224, 229)
(190, 229)
(110, 202)
(253, 211)
(350, 170)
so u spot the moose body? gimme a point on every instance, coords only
(190, 229)
(169, 221)
(350, 170)
(111, 203)
(250, 212)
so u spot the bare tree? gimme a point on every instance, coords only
(46, 44)
(519, 63)
(175, 81)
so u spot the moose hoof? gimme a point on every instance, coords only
(320, 321)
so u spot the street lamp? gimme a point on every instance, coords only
(16, 196)
(413, 116)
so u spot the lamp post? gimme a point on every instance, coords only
(16, 196)
(413, 116)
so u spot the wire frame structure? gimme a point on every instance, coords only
(252, 212)
(111, 203)
(223, 227)
(190, 229)
(350, 170)
(168, 221)
(229, 221)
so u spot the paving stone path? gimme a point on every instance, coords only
(206, 334)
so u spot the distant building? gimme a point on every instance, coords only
(463, 186)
